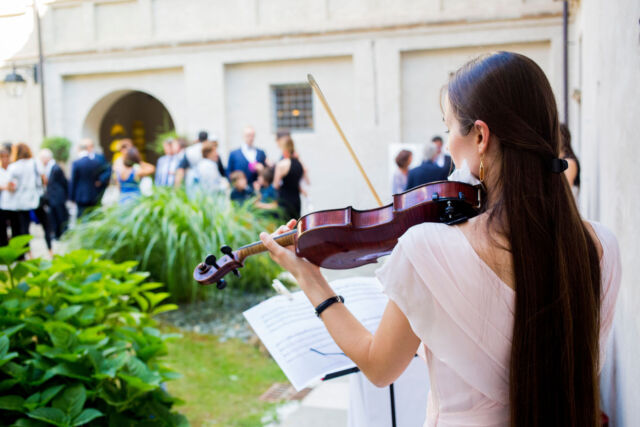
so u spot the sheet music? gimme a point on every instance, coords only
(298, 340)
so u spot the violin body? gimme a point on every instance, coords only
(346, 238)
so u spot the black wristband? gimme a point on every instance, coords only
(326, 303)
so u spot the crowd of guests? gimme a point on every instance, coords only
(31, 190)
(249, 174)
(437, 165)
(37, 190)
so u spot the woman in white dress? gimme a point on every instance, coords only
(25, 189)
(512, 307)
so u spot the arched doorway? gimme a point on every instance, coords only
(129, 114)
(139, 116)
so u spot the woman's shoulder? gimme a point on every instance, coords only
(605, 239)
(429, 235)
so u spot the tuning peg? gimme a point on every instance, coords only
(211, 260)
(236, 272)
(226, 250)
(221, 284)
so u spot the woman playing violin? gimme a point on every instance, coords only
(511, 307)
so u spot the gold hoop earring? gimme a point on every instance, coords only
(481, 171)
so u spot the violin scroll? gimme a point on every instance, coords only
(213, 269)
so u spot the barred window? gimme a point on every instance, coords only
(293, 107)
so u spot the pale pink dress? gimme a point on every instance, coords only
(463, 313)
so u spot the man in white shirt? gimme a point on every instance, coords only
(164, 173)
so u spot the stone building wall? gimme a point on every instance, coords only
(608, 38)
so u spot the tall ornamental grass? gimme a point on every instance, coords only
(169, 233)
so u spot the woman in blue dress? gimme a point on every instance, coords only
(133, 169)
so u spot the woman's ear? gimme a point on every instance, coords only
(482, 136)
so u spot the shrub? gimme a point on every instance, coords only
(59, 146)
(169, 234)
(78, 344)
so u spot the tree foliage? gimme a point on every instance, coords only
(59, 146)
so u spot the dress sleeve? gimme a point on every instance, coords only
(398, 277)
(405, 286)
(611, 273)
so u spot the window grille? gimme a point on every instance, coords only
(293, 107)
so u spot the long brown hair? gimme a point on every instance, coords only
(554, 356)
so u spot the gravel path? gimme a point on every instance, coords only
(222, 318)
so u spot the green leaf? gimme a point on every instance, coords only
(71, 400)
(93, 334)
(164, 307)
(71, 371)
(11, 402)
(7, 357)
(150, 286)
(67, 312)
(62, 334)
(92, 278)
(9, 255)
(7, 384)
(14, 370)
(87, 415)
(12, 330)
(27, 422)
(20, 271)
(136, 382)
(4, 345)
(20, 242)
(156, 297)
(50, 393)
(144, 305)
(51, 415)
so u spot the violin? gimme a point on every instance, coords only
(347, 238)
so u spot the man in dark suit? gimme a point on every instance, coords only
(247, 158)
(442, 160)
(428, 171)
(89, 177)
(56, 193)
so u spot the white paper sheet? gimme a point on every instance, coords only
(299, 341)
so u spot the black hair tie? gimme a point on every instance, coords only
(559, 165)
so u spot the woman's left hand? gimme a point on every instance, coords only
(286, 256)
(307, 274)
(301, 269)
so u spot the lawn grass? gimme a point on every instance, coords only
(221, 382)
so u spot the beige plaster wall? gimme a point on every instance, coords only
(425, 72)
(609, 34)
(94, 25)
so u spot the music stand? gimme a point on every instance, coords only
(354, 370)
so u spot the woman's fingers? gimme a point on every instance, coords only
(285, 228)
(275, 250)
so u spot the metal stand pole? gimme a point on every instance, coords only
(353, 371)
(393, 406)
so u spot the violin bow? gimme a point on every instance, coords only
(318, 92)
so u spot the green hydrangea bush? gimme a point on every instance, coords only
(78, 344)
(169, 233)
